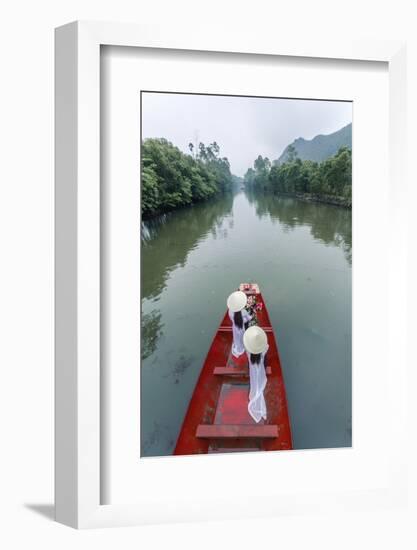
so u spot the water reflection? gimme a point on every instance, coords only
(164, 249)
(183, 363)
(331, 225)
(156, 436)
(151, 332)
(300, 253)
(166, 243)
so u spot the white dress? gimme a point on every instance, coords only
(257, 375)
(238, 348)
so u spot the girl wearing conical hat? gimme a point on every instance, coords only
(256, 345)
(236, 303)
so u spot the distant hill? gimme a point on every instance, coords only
(320, 147)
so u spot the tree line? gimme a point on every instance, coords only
(328, 181)
(172, 179)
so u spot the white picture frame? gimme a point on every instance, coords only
(77, 242)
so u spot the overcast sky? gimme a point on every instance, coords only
(243, 127)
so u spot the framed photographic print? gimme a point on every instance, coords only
(205, 226)
(227, 213)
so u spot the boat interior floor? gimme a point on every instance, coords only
(232, 409)
(232, 406)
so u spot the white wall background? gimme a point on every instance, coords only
(26, 272)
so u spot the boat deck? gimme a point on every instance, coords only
(232, 407)
(217, 419)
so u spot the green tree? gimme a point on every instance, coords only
(331, 178)
(172, 179)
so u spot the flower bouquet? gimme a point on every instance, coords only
(253, 306)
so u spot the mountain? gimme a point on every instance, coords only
(320, 147)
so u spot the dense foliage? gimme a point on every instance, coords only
(171, 179)
(330, 180)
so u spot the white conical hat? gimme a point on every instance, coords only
(255, 340)
(236, 301)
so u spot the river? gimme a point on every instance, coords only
(301, 255)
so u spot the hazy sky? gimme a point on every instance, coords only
(243, 127)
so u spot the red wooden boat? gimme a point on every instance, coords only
(217, 419)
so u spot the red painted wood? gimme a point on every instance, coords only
(234, 449)
(229, 329)
(204, 401)
(227, 431)
(233, 371)
(232, 405)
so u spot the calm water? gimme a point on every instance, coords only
(300, 254)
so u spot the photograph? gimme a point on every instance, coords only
(245, 273)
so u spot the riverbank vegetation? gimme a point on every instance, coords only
(172, 179)
(329, 181)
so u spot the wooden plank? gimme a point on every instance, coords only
(253, 288)
(229, 329)
(234, 450)
(235, 371)
(225, 431)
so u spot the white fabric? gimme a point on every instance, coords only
(238, 347)
(257, 375)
